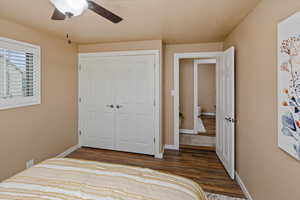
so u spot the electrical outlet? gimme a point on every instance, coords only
(29, 163)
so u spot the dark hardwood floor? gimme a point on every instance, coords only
(201, 148)
(198, 165)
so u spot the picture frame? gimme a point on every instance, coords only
(289, 85)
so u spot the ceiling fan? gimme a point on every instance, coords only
(70, 8)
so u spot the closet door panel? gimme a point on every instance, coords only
(135, 98)
(97, 101)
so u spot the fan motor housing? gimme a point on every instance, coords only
(70, 7)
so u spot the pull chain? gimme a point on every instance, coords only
(68, 38)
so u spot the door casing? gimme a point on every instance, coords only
(175, 91)
(157, 100)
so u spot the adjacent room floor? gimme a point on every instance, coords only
(198, 165)
(209, 123)
(206, 139)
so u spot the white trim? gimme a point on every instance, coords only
(158, 86)
(15, 42)
(159, 155)
(19, 105)
(158, 102)
(68, 151)
(119, 53)
(206, 61)
(188, 131)
(175, 90)
(209, 113)
(196, 114)
(171, 147)
(198, 55)
(243, 187)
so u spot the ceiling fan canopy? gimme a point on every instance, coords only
(70, 8)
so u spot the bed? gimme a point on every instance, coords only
(71, 179)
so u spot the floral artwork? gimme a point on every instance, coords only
(289, 85)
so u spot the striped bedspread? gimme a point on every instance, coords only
(71, 179)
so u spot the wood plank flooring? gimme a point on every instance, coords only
(201, 148)
(198, 165)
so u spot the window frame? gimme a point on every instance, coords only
(16, 102)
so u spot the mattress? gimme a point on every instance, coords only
(71, 179)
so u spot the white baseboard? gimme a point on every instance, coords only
(187, 131)
(243, 187)
(68, 151)
(171, 147)
(159, 155)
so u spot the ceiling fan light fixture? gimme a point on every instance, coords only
(73, 7)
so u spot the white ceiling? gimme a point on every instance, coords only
(174, 21)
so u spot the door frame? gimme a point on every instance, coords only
(196, 64)
(175, 91)
(157, 82)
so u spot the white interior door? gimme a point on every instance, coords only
(135, 104)
(117, 108)
(225, 146)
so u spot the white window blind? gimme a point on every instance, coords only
(19, 74)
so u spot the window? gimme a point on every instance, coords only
(19, 74)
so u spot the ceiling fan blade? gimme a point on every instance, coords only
(104, 12)
(57, 15)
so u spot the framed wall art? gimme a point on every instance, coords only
(289, 85)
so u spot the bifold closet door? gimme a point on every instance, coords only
(97, 114)
(117, 103)
(134, 97)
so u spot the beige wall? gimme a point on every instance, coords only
(41, 131)
(169, 51)
(186, 92)
(268, 172)
(207, 87)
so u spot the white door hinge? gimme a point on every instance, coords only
(80, 132)
(79, 99)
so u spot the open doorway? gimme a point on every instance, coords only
(204, 112)
(197, 100)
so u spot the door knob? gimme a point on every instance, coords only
(110, 106)
(228, 119)
(119, 106)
